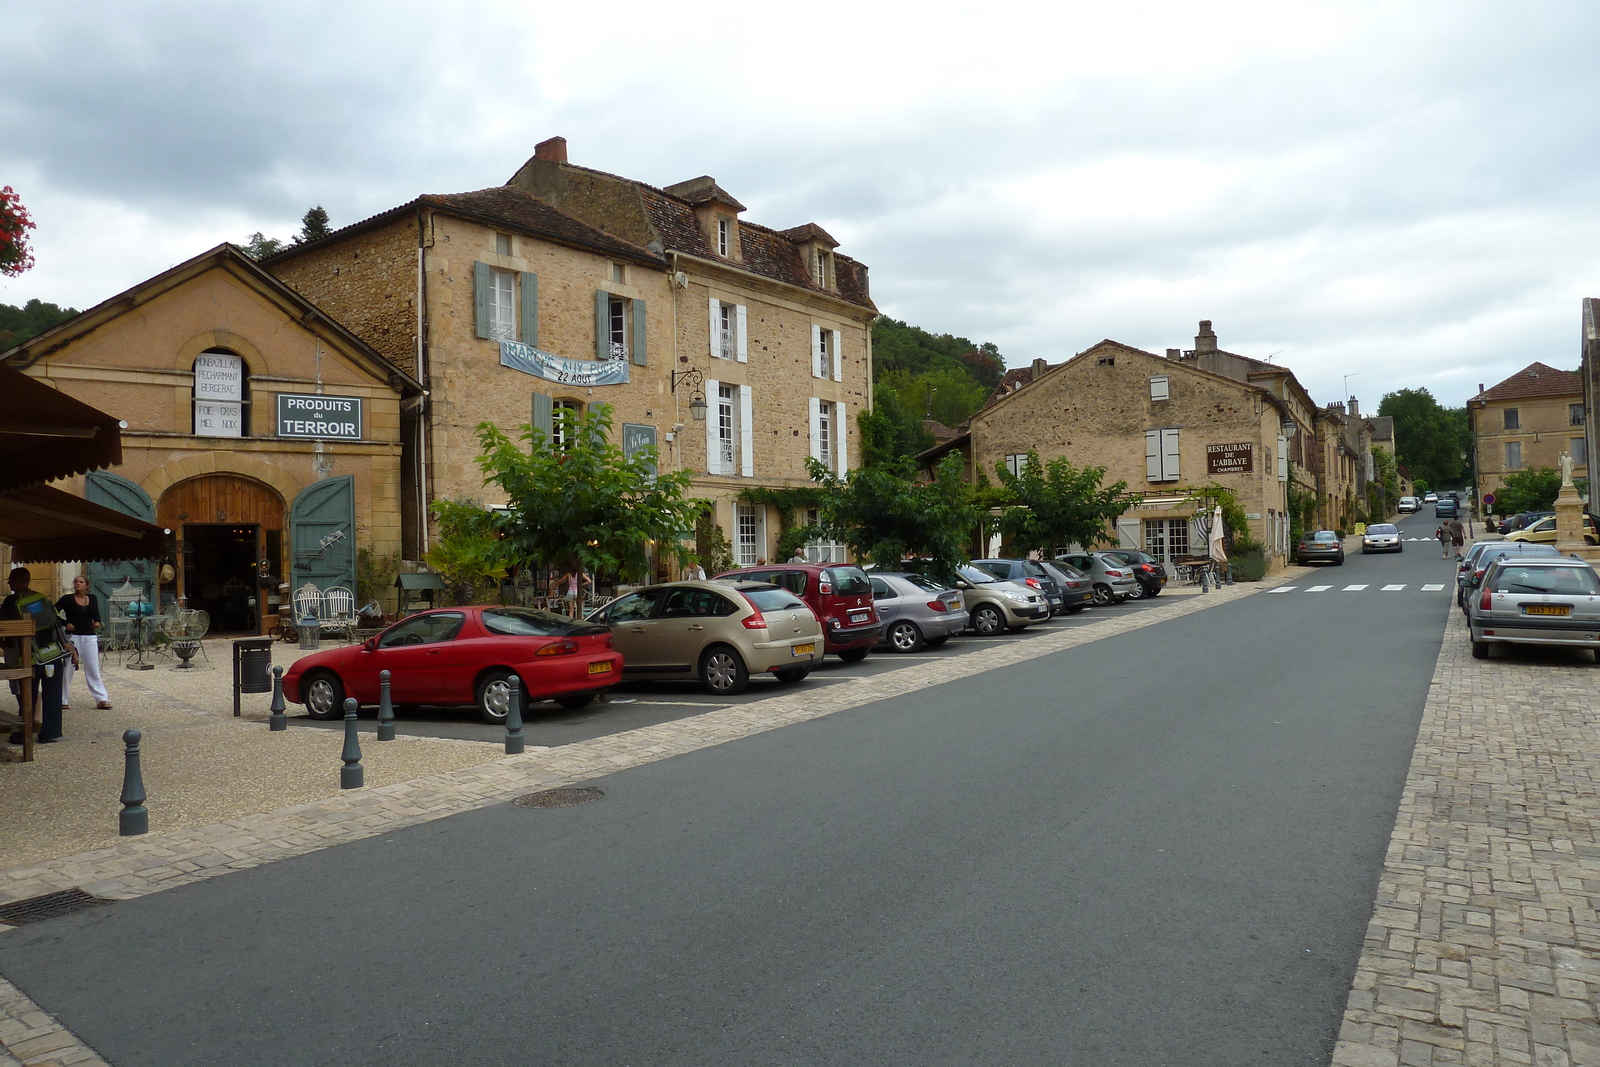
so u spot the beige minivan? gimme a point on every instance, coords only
(720, 632)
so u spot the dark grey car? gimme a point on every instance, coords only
(917, 612)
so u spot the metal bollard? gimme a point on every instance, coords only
(1205, 576)
(514, 740)
(134, 819)
(385, 709)
(351, 776)
(277, 720)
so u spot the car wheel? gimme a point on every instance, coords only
(574, 701)
(855, 655)
(792, 674)
(986, 619)
(905, 637)
(934, 642)
(1153, 590)
(494, 697)
(1480, 650)
(324, 695)
(1103, 595)
(1138, 592)
(723, 671)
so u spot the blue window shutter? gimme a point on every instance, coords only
(640, 357)
(602, 324)
(481, 281)
(530, 309)
(543, 415)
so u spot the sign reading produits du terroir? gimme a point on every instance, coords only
(1230, 459)
(335, 418)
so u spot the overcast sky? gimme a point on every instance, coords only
(1401, 192)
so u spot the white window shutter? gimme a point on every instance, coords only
(1169, 455)
(1152, 455)
(747, 434)
(816, 351)
(841, 446)
(816, 428)
(713, 449)
(1283, 458)
(716, 329)
(742, 340)
(838, 359)
(1158, 387)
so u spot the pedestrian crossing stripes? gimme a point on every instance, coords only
(1392, 588)
(1354, 588)
(1432, 587)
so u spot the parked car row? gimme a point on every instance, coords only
(1528, 599)
(780, 620)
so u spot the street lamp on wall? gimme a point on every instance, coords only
(696, 382)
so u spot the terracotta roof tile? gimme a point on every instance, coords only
(524, 211)
(1536, 379)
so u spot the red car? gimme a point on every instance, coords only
(453, 656)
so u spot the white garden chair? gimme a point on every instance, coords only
(339, 612)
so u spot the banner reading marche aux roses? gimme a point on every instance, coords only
(335, 418)
(530, 360)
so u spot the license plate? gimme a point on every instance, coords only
(1547, 609)
(603, 667)
(803, 650)
(858, 616)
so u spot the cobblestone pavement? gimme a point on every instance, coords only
(1484, 944)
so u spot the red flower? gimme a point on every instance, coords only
(15, 255)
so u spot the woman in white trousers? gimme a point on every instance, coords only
(81, 610)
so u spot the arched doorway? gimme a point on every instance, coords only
(230, 541)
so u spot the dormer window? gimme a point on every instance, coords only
(820, 268)
(502, 244)
(724, 236)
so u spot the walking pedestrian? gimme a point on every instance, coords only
(1458, 536)
(81, 611)
(50, 646)
(1444, 541)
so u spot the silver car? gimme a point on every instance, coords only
(1536, 601)
(917, 612)
(1113, 579)
(1381, 537)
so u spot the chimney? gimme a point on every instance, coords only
(1337, 407)
(552, 151)
(1173, 353)
(1205, 340)
(1039, 367)
(1355, 409)
(1480, 387)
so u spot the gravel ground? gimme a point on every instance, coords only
(201, 765)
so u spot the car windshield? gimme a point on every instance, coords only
(773, 599)
(1064, 572)
(927, 585)
(975, 576)
(529, 622)
(1325, 535)
(1382, 528)
(1562, 581)
(850, 581)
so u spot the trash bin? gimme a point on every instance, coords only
(252, 667)
(310, 633)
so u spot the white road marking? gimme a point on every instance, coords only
(1353, 588)
(1432, 588)
(1319, 588)
(1283, 589)
(1392, 588)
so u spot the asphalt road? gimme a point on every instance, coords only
(1160, 848)
(646, 703)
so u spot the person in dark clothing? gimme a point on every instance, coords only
(81, 610)
(49, 651)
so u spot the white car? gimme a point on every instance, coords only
(1408, 504)
(1430, 498)
(1381, 537)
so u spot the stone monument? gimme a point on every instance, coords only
(1569, 517)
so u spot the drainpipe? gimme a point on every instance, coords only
(424, 413)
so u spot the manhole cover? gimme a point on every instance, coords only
(38, 909)
(558, 798)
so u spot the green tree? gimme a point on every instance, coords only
(885, 515)
(1057, 504)
(468, 552)
(260, 246)
(18, 324)
(583, 503)
(1430, 440)
(1534, 489)
(313, 226)
(890, 432)
(947, 394)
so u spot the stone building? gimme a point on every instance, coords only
(1589, 372)
(569, 287)
(1528, 421)
(1164, 425)
(1336, 462)
(264, 434)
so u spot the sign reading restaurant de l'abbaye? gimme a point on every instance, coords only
(1230, 459)
(334, 418)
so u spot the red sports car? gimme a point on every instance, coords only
(453, 656)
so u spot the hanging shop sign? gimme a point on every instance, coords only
(553, 368)
(317, 415)
(1230, 459)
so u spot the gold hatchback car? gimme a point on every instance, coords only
(720, 632)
